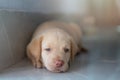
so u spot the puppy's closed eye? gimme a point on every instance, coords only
(48, 49)
(66, 50)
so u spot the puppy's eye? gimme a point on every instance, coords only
(47, 49)
(66, 50)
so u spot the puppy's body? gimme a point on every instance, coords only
(50, 42)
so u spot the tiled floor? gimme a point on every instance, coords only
(81, 69)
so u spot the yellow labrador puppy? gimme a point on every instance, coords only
(54, 44)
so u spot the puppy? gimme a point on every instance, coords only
(54, 45)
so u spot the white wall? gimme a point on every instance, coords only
(46, 6)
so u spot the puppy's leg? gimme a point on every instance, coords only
(38, 63)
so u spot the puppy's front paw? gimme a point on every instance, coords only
(38, 65)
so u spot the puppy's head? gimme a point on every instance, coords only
(57, 49)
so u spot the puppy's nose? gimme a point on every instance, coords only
(59, 63)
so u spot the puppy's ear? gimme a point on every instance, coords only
(34, 51)
(74, 50)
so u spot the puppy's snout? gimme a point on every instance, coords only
(59, 63)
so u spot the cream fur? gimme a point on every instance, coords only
(56, 36)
